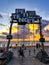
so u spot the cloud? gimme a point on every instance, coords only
(2, 24)
(44, 14)
(1, 16)
(22, 33)
(5, 14)
(3, 37)
(4, 33)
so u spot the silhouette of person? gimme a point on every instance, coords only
(23, 47)
(21, 53)
(34, 50)
(29, 52)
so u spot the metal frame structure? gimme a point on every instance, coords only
(22, 18)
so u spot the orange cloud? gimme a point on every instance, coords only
(26, 33)
(14, 28)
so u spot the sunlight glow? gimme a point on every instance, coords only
(30, 37)
(14, 28)
(32, 27)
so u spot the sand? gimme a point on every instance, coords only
(28, 59)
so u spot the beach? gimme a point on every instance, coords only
(28, 59)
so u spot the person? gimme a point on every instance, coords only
(21, 53)
(29, 52)
(34, 50)
(23, 47)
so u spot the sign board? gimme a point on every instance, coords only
(9, 36)
(30, 13)
(28, 16)
(20, 11)
(28, 20)
(17, 16)
(42, 39)
(14, 16)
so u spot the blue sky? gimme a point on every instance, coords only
(8, 6)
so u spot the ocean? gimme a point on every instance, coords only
(4, 43)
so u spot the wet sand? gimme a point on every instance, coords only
(28, 59)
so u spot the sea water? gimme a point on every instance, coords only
(4, 43)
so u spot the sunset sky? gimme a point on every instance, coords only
(8, 6)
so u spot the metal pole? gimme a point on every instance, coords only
(34, 38)
(41, 36)
(33, 32)
(9, 34)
